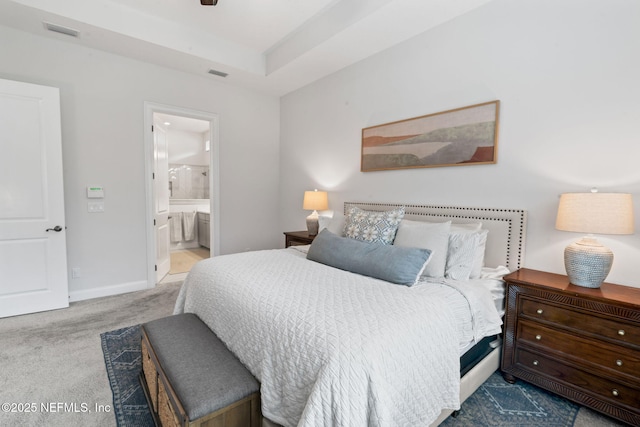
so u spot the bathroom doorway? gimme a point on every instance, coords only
(183, 165)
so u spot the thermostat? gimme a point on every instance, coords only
(95, 192)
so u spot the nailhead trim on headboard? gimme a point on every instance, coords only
(508, 226)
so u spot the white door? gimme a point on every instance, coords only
(33, 254)
(161, 204)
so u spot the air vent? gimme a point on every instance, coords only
(218, 73)
(62, 30)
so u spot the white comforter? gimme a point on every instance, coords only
(330, 348)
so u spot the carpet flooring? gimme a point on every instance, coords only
(51, 364)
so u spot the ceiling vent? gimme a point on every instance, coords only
(218, 73)
(62, 30)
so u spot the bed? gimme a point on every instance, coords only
(332, 347)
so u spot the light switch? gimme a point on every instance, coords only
(95, 207)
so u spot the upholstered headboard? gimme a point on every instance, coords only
(507, 227)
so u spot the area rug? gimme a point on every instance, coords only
(122, 357)
(496, 403)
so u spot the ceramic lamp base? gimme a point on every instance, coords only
(312, 223)
(587, 262)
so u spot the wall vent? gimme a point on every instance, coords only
(218, 73)
(62, 30)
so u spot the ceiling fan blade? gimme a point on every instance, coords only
(208, 2)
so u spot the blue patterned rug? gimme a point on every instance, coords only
(123, 361)
(496, 403)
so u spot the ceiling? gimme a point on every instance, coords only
(275, 46)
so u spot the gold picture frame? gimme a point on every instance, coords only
(459, 137)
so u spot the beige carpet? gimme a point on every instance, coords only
(184, 259)
(51, 364)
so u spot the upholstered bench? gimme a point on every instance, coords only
(192, 379)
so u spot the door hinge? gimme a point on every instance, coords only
(154, 222)
(153, 175)
(155, 267)
(151, 128)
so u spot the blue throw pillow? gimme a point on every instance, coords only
(395, 264)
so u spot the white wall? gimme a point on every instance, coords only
(102, 105)
(567, 75)
(187, 148)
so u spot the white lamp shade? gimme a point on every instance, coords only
(596, 213)
(587, 261)
(315, 201)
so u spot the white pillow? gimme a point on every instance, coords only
(478, 258)
(470, 227)
(465, 257)
(426, 235)
(334, 224)
(323, 222)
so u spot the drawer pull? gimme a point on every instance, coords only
(621, 332)
(615, 392)
(538, 337)
(619, 362)
(539, 311)
(536, 363)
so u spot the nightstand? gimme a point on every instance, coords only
(580, 343)
(297, 238)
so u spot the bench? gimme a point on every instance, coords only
(192, 379)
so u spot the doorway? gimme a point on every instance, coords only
(182, 190)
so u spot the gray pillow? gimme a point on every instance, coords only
(395, 264)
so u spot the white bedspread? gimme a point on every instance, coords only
(330, 348)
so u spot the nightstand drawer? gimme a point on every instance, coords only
(612, 391)
(614, 358)
(625, 333)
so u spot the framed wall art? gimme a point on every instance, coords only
(464, 136)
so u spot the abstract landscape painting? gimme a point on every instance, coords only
(464, 136)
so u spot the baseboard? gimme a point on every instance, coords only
(106, 291)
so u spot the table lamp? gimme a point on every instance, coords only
(314, 201)
(587, 261)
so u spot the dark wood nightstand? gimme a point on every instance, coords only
(581, 343)
(297, 238)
